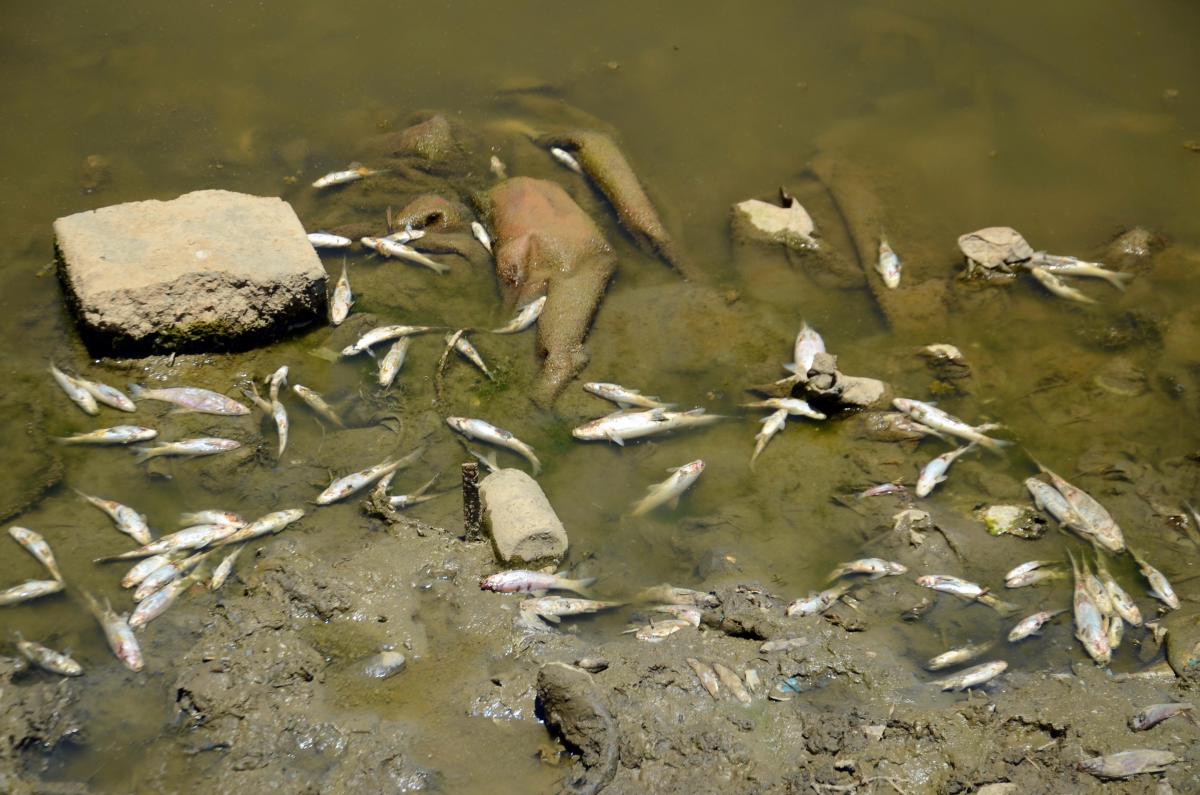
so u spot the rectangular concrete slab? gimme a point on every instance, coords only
(211, 270)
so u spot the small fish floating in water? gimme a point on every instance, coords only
(1088, 517)
(118, 633)
(486, 432)
(966, 590)
(80, 396)
(224, 569)
(401, 501)
(205, 445)
(1070, 266)
(1160, 587)
(393, 360)
(343, 487)
(1058, 286)
(480, 234)
(873, 567)
(144, 568)
(189, 398)
(935, 471)
(48, 659)
(972, 677)
(118, 434)
(383, 334)
(390, 248)
(127, 520)
(317, 403)
(195, 537)
(526, 316)
(624, 397)
(1030, 625)
(888, 264)
(36, 545)
(522, 581)
(771, 425)
(343, 299)
(108, 395)
(566, 158)
(157, 603)
(932, 416)
(808, 344)
(617, 428)
(793, 406)
(1089, 621)
(669, 491)
(958, 656)
(30, 589)
(271, 523)
(326, 240)
(468, 351)
(352, 174)
(167, 573)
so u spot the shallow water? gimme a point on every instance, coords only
(1064, 121)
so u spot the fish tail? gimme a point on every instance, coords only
(581, 586)
(1118, 279)
(137, 391)
(63, 439)
(993, 445)
(144, 454)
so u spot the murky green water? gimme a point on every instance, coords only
(1066, 121)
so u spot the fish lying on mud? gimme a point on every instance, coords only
(191, 399)
(933, 417)
(79, 396)
(523, 581)
(486, 432)
(618, 428)
(624, 397)
(118, 434)
(669, 491)
(117, 631)
(343, 487)
(127, 520)
(36, 545)
(209, 445)
(317, 403)
(48, 659)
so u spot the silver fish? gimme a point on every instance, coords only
(873, 567)
(30, 589)
(808, 344)
(317, 403)
(526, 316)
(208, 445)
(732, 682)
(658, 630)
(167, 573)
(972, 677)
(566, 158)
(624, 397)
(1047, 498)
(1097, 523)
(691, 615)
(962, 654)
(189, 398)
(1031, 624)
(195, 537)
(344, 487)
(522, 581)
(1070, 266)
(224, 569)
(127, 520)
(407, 235)
(498, 168)
(80, 396)
(383, 334)
(48, 659)
(401, 501)
(1160, 587)
(1089, 622)
(669, 594)
(35, 545)
(343, 299)
(109, 396)
(211, 517)
(391, 248)
(669, 490)
(1035, 577)
(1058, 286)
(707, 676)
(952, 585)
(793, 406)
(392, 361)
(480, 234)
(468, 351)
(117, 631)
(1128, 763)
(553, 608)
(271, 523)
(1122, 602)
(276, 381)
(1155, 714)
(935, 471)
(118, 434)
(157, 603)
(352, 174)
(888, 264)
(617, 428)
(144, 568)
(817, 602)
(771, 425)
(326, 240)
(928, 414)
(279, 413)
(486, 432)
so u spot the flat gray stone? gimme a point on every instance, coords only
(522, 523)
(211, 270)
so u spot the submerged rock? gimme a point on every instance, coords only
(758, 220)
(211, 270)
(996, 248)
(523, 525)
(1013, 520)
(383, 665)
(576, 709)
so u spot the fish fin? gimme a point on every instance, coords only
(612, 437)
(136, 391)
(1119, 279)
(182, 410)
(791, 368)
(551, 619)
(994, 445)
(142, 455)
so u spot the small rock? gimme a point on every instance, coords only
(1131, 248)
(383, 665)
(758, 220)
(996, 248)
(1014, 520)
(999, 788)
(592, 665)
(96, 174)
(523, 525)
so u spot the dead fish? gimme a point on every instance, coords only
(707, 676)
(343, 299)
(1049, 499)
(252, 395)
(118, 633)
(808, 344)
(1058, 286)
(1160, 587)
(393, 360)
(196, 537)
(317, 403)
(625, 397)
(391, 248)
(1070, 266)
(771, 425)
(966, 590)
(882, 489)
(1122, 602)
(1089, 621)
(480, 234)
(48, 659)
(971, 677)
(271, 523)
(1155, 714)
(352, 174)
(932, 416)
(566, 158)
(1128, 763)
(401, 501)
(962, 654)
(874, 567)
(35, 545)
(659, 630)
(383, 665)
(108, 395)
(383, 334)
(208, 445)
(343, 487)
(524, 581)
(618, 428)
(80, 396)
(793, 406)
(127, 520)
(732, 682)
(669, 491)
(118, 434)
(935, 471)
(553, 608)
(279, 413)
(30, 589)
(526, 316)
(753, 683)
(488, 460)
(157, 603)
(1035, 577)
(1031, 624)
(786, 644)
(1027, 567)
(167, 573)
(816, 603)
(944, 352)
(486, 432)
(224, 569)
(326, 240)
(191, 399)
(669, 594)
(691, 615)
(407, 235)
(1095, 521)
(498, 168)
(469, 352)
(888, 264)
(211, 517)
(144, 568)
